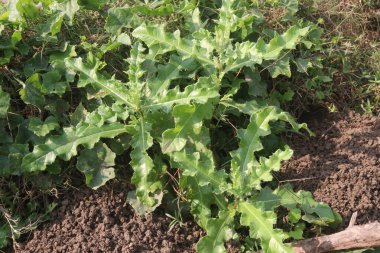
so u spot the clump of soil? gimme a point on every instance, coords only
(341, 165)
(101, 221)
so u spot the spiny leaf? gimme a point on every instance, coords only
(144, 176)
(65, 145)
(10, 165)
(102, 115)
(225, 25)
(218, 231)
(260, 225)
(248, 53)
(53, 84)
(97, 165)
(69, 8)
(154, 11)
(118, 18)
(199, 93)
(287, 40)
(280, 67)
(33, 91)
(135, 72)
(160, 42)
(188, 120)
(40, 128)
(174, 69)
(249, 107)
(106, 114)
(78, 115)
(137, 88)
(107, 86)
(263, 173)
(246, 171)
(4, 103)
(315, 212)
(161, 121)
(243, 54)
(202, 197)
(200, 165)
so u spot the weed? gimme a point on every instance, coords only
(164, 83)
(176, 219)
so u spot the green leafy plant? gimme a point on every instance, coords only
(178, 90)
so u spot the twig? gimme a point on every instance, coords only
(328, 130)
(298, 179)
(353, 219)
(355, 237)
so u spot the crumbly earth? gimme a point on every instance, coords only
(101, 221)
(341, 165)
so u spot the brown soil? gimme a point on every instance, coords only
(101, 221)
(341, 165)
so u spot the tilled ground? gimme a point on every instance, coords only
(341, 166)
(101, 221)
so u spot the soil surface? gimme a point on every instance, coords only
(101, 221)
(341, 166)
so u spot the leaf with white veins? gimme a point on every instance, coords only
(218, 231)
(246, 171)
(89, 75)
(200, 165)
(40, 128)
(144, 176)
(4, 103)
(260, 225)
(200, 92)
(65, 145)
(159, 42)
(188, 120)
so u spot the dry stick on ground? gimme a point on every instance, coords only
(355, 237)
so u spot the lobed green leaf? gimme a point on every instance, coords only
(246, 171)
(261, 226)
(4, 103)
(159, 42)
(188, 120)
(65, 145)
(218, 231)
(97, 165)
(145, 178)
